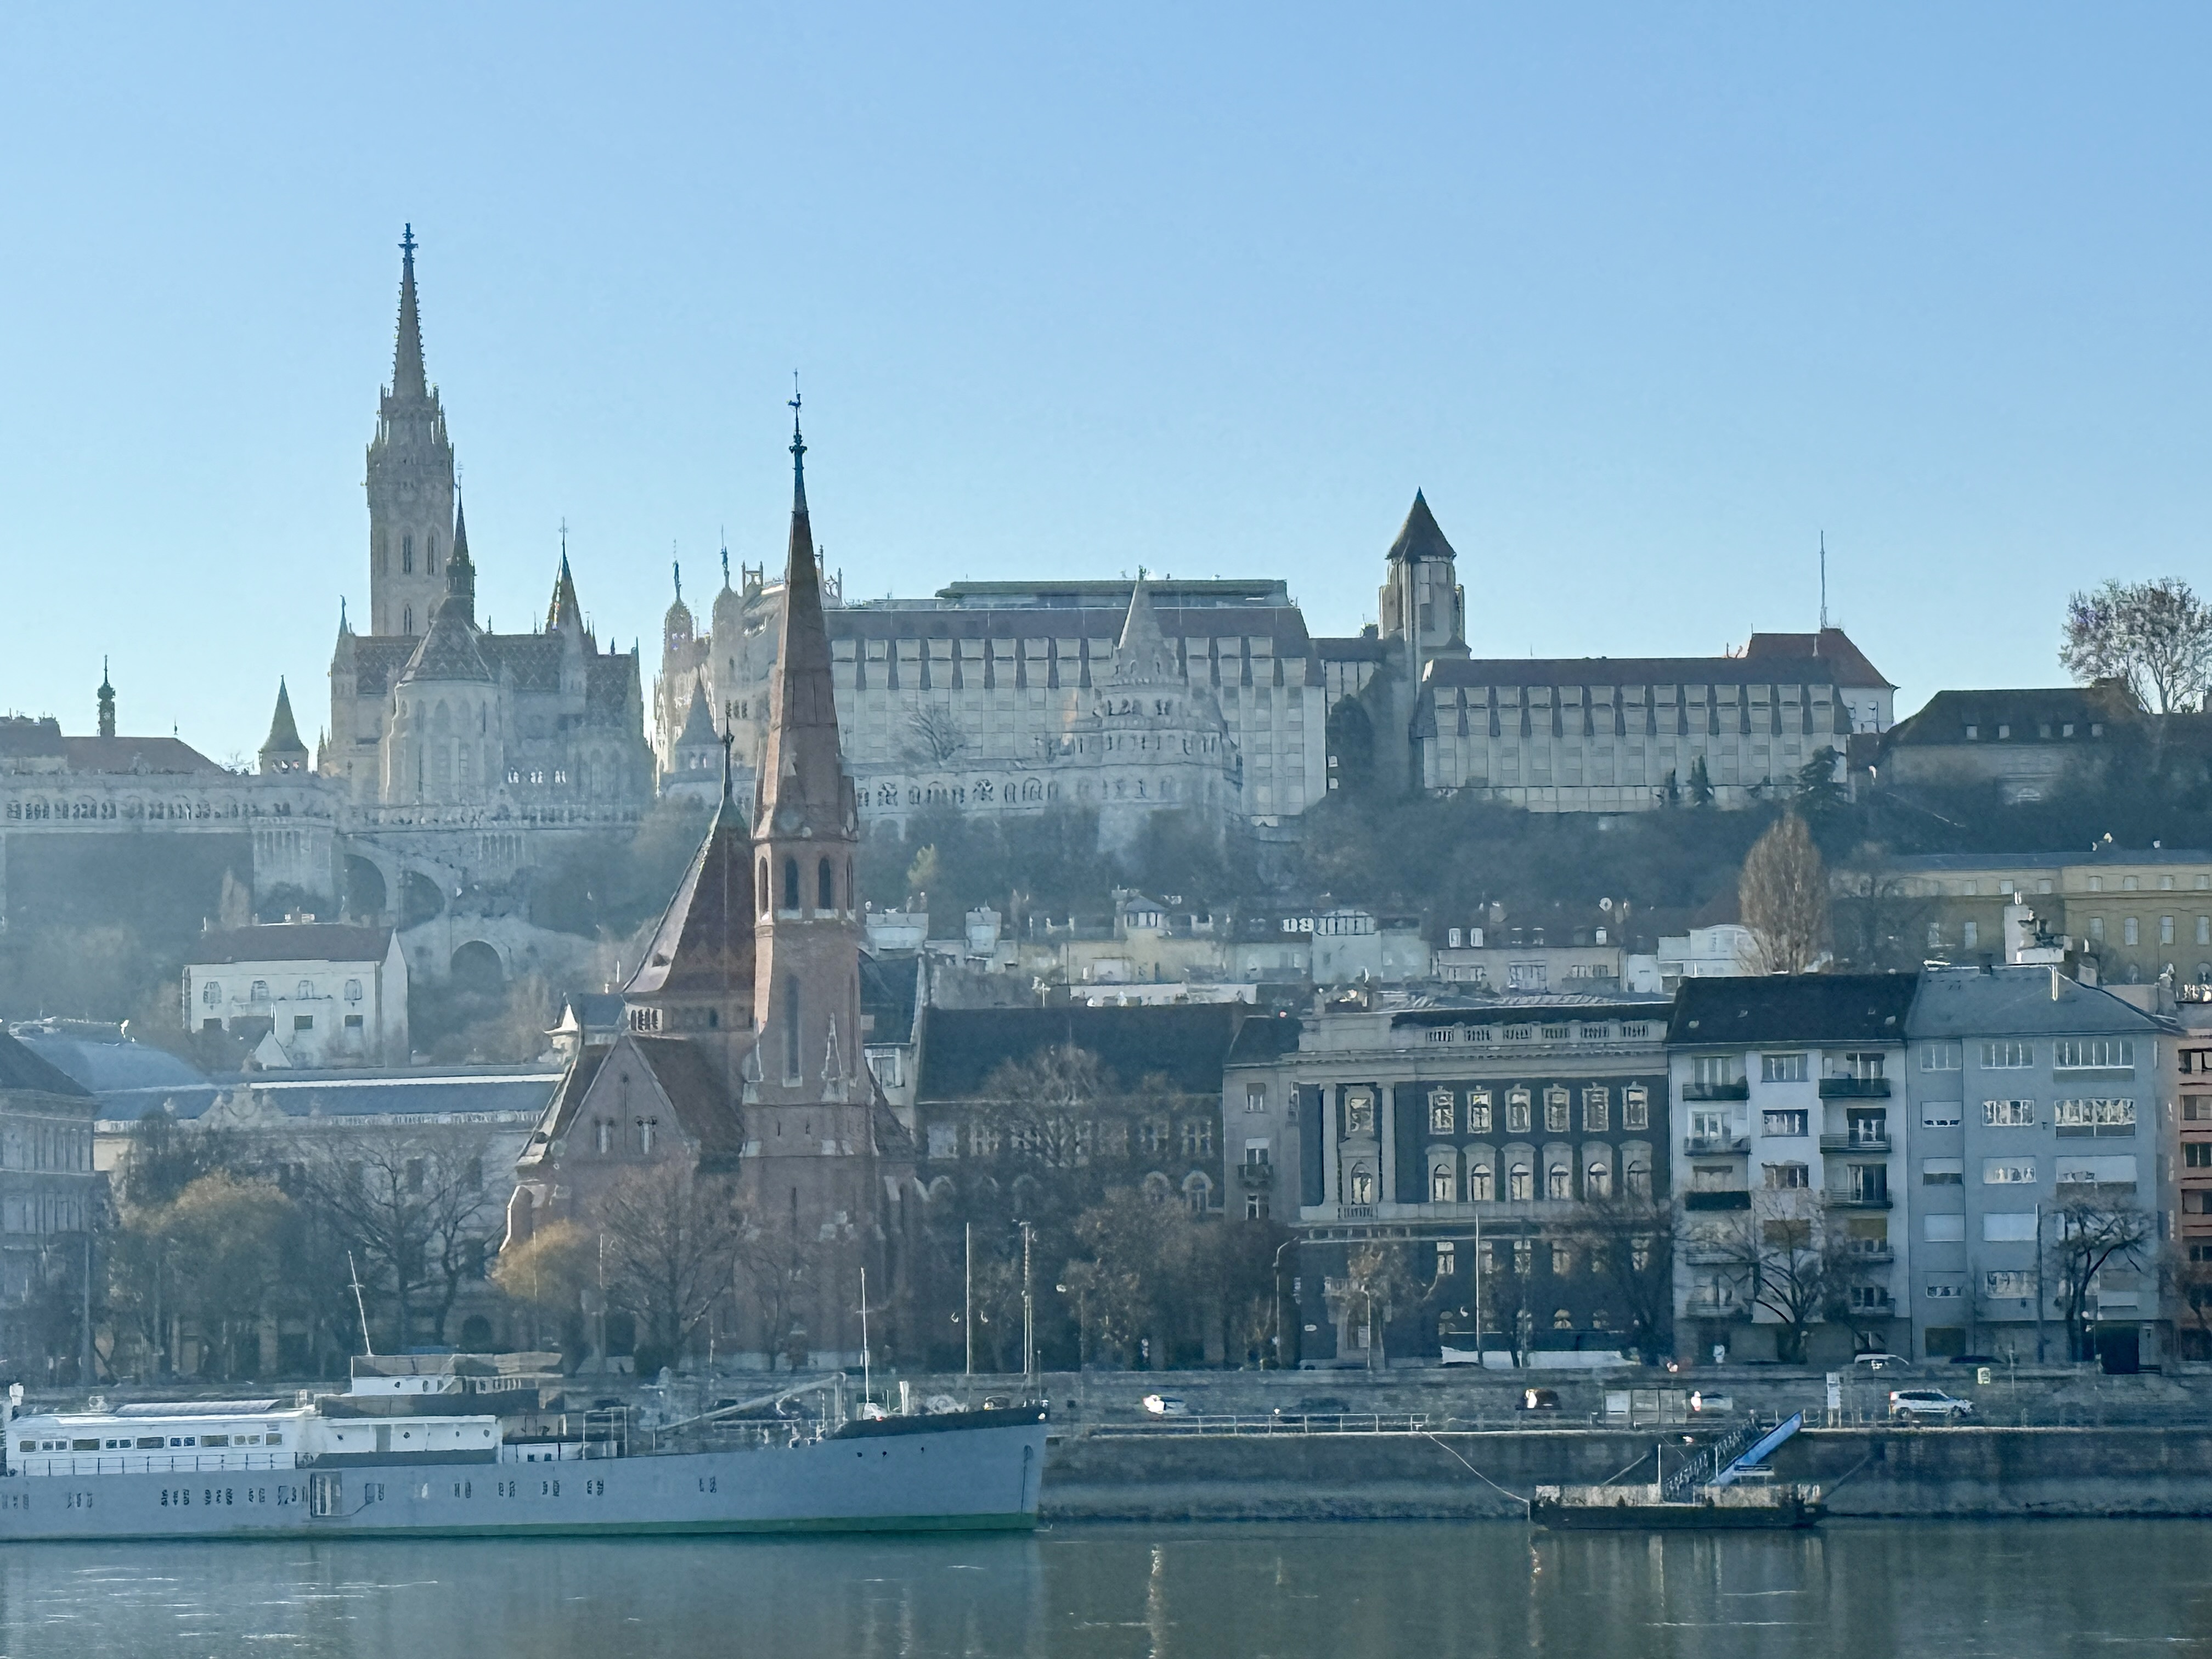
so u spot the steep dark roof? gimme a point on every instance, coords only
(704, 946)
(1188, 1045)
(119, 755)
(698, 730)
(21, 1069)
(702, 1099)
(283, 731)
(290, 941)
(2023, 714)
(1264, 1038)
(1421, 537)
(1832, 644)
(891, 986)
(1792, 1008)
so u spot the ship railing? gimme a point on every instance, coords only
(1289, 1422)
(155, 1463)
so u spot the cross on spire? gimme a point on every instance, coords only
(797, 452)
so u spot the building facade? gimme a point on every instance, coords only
(1787, 1105)
(328, 993)
(2029, 1092)
(49, 1196)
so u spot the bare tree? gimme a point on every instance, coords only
(671, 1245)
(2191, 1283)
(1380, 1283)
(1626, 1237)
(1784, 896)
(2089, 1234)
(412, 1203)
(2155, 635)
(935, 735)
(1785, 1264)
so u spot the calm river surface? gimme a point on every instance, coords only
(1292, 1592)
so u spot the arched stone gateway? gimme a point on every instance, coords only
(477, 967)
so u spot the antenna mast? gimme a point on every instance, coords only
(1824, 581)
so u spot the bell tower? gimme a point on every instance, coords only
(409, 480)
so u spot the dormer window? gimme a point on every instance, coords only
(2004, 732)
(1972, 732)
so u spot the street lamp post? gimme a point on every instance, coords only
(1279, 1249)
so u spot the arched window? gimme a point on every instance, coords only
(1558, 1181)
(1521, 1182)
(430, 564)
(210, 993)
(1363, 1184)
(764, 889)
(407, 557)
(1197, 1193)
(1443, 1189)
(825, 885)
(1562, 1320)
(790, 883)
(1639, 1179)
(1600, 1182)
(795, 1069)
(407, 620)
(1157, 1188)
(1478, 1184)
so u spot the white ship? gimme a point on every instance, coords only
(346, 1466)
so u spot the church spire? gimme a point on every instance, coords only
(107, 702)
(460, 572)
(802, 781)
(284, 752)
(409, 378)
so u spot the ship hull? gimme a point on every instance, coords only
(981, 1478)
(1674, 1517)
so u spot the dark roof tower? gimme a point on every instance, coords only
(283, 751)
(410, 479)
(698, 972)
(1421, 537)
(107, 702)
(409, 378)
(449, 650)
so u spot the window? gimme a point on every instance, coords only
(764, 888)
(259, 993)
(2008, 1056)
(790, 883)
(1478, 1111)
(1441, 1113)
(1517, 1112)
(210, 993)
(1555, 1109)
(1637, 1178)
(2093, 1117)
(2165, 930)
(1558, 1181)
(2008, 1171)
(1947, 1114)
(2127, 930)
(794, 1070)
(1717, 1071)
(2196, 1108)
(2095, 1054)
(1447, 1259)
(1197, 1137)
(1784, 1124)
(1358, 1112)
(1152, 1135)
(1563, 1260)
(1940, 1057)
(2128, 883)
(407, 557)
(1943, 1229)
(1363, 1184)
(353, 990)
(1782, 1068)
(1256, 1096)
(1443, 1188)
(1942, 1171)
(1635, 1107)
(2204, 930)
(1478, 1183)
(1597, 1112)
(1786, 1176)
(353, 1022)
(2197, 1155)
(2008, 1226)
(303, 1022)
(1970, 934)
(825, 887)
(2010, 1283)
(1520, 1182)
(1942, 1290)
(2096, 930)
(1598, 1181)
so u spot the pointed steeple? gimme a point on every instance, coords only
(283, 751)
(449, 649)
(1421, 537)
(564, 611)
(107, 702)
(1143, 654)
(698, 730)
(409, 378)
(460, 570)
(803, 785)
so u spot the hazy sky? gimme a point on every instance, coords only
(1646, 298)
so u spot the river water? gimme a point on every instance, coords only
(1362, 1591)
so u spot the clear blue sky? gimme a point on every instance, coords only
(1645, 297)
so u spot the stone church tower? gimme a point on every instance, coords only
(410, 479)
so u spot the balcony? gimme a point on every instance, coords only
(1715, 1145)
(1879, 1255)
(1859, 1140)
(1855, 1088)
(1846, 1198)
(1717, 1091)
(1734, 1198)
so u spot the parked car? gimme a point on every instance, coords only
(1539, 1400)
(997, 1403)
(1164, 1405)
(1880, 1362)
(1911, 1404)
(1711, 1405)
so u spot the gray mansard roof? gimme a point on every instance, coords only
(1966, 1002)
(1792, 1009)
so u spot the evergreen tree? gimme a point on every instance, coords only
(1701, 783)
